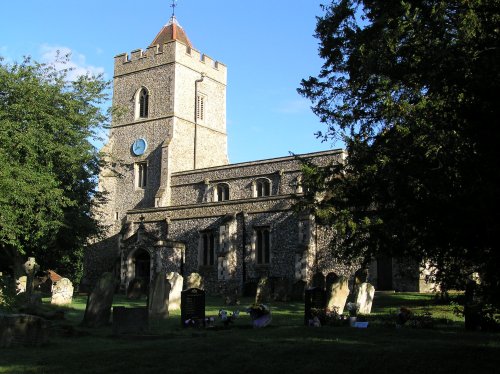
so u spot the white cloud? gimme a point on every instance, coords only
(76, 61)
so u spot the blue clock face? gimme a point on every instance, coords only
(139, 147)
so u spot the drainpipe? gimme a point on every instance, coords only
(244, 253)
(195, 116)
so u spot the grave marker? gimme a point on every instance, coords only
(364, 297)
(62, 292)
(314, 298)
(193, 307)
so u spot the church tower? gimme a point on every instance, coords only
(169, 107)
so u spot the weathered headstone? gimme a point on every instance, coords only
(174, 298)
(98, 310)
(263, 294)
(231, 293)
(337, 295)
(314, 299)
(194, 280)
(298, 289)
(193, 307)
(21, 284)
(159, 293)
(22, 330)
(318, 280)
(364, 297)
(130, 320)
(62, 292)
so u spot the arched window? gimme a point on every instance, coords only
(262, 187)
(142, 103)
(207, 249)
(222, 192)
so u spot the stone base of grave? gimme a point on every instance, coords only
(23, 330)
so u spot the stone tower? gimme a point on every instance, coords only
(169, 116)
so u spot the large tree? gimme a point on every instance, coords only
(48, 166)
(412, 88)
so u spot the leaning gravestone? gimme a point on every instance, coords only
(158, 296)
(174, 298)
(98, 310)
(337, 295)
(193, 307)
(263, 294)
(194, 280)
(364, 297)
(314, 300)
(62, 292)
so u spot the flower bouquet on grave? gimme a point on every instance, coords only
(353, 309)
(260, 315)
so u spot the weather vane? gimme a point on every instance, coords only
(174, 4)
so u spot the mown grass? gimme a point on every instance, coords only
(284, 347)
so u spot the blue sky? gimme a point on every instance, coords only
(267, 45)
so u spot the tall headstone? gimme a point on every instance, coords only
(62, 292)
(337, 294)
(314, 300)
(159, 293)
(30, 267)
(174, 298)
(263, 294)
(364, 297)
(194, 280)
(318, 280)
(193, 307)
(98, 310)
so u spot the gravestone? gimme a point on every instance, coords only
(98, 309)
(23, 330)
(130, 320)
(174, 298)
(298, 289)
(314, 298)
(337, 295)
(330, 279)
(193, 307)
(194, 280)
(318, 280)
(364, 297)
(62, 292)
(263, 294)
(21, 284)
(231, 293)
(159, 293)
(281, 289)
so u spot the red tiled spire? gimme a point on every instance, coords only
(171, 31)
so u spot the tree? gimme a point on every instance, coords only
(48, 167)
(412, 87)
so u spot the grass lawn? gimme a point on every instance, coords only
(284, 347)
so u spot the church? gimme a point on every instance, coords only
(176, 204)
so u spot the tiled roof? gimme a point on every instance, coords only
(171, 31)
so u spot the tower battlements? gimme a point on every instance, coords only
(170, 52)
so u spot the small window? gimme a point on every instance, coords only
(142, 103)
(207, 249)
(262, 187)
(141, 174)
(262, 246)
(200, 107)
(222, 192)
